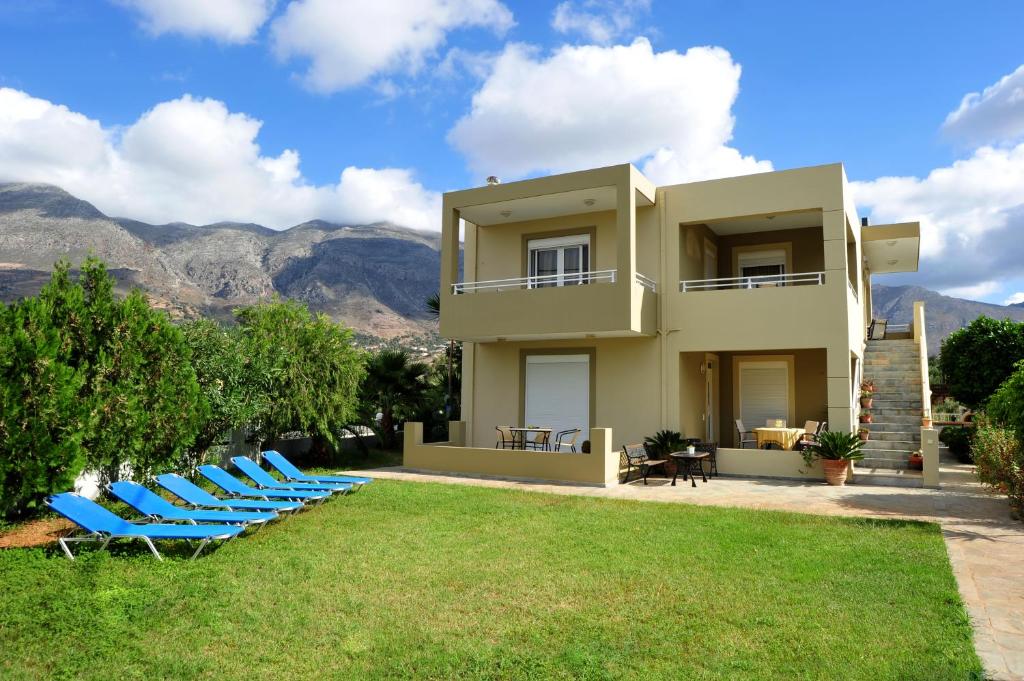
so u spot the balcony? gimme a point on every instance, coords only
(764, 281)
(553, 306)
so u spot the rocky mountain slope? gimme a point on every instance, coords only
(943, 314)
(373, 277)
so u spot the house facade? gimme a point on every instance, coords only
(597, 299)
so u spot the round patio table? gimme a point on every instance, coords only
(690, 463)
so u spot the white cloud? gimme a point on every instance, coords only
(973, 291)
(1015, 299)
(599, 21)
(193, 160)
(230, 21)
(993, 115)
(349, 43)
(587, 106)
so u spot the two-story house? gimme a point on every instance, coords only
(597, 299)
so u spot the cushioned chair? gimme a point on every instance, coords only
(566, 439)
(506, 439)
(745, 436)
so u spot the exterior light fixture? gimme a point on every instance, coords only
(589, 202)
(506, 213)
(891, 262)
(891, 242)
(493, 180)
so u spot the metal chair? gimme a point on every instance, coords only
(540, 442)
(810, 435)
(741, 430)
(566, 438)
(506, 439)
(712, 449)
(636, 457)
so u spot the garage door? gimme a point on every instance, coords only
(764, 392)
(558, 392)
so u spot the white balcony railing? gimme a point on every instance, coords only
(545, 281)
(761, 281)
(646, 282)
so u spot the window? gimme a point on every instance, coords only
(770, 265)
(561, 261)
(764, 392)
(558, 392)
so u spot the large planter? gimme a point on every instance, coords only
(866, 402)
(835, 471)
(866, 418)
(916, 462)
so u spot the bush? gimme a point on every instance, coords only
(663, 443)
(976, 359)
(999, 458)
(42, 419)
(958, 439)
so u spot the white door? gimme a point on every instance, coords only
(558, 392)
(764, 392)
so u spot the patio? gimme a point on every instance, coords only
(985, 546)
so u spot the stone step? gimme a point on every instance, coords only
(880, 405)
(891, 342)
(891, 445)
(908, 373)
(886, 383)
(886, 476)
(910, 427)
(890, 435)
(896, 464)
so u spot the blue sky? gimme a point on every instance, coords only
(304, 89)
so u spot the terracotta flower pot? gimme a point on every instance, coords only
(866, 418)
(835, 471)
(864, 435)
(926, 422)
(916, 462)
(866, 402)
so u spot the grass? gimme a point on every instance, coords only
(407, 580)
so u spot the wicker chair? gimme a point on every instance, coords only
(566, 439)
(506, 438)
(742, 431)
(540, 442)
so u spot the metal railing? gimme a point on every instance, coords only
(760, 281)
(646, 282)
(543, 281)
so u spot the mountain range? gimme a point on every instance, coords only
(374, 278)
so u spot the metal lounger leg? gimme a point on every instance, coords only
(152, 548)
(63, 542)
(202, 545)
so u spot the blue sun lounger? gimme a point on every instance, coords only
(198, 497)
(265, 480)
(157, 508)
(103, 526)
(292, 473)
(236, 487)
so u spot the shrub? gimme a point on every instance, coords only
(999, 458)
(1006, 406)
(958, 439)
(42, 419)
(663, 443)
(976, 359)
(395, 388)
(834, 445)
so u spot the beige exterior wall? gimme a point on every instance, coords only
(648, 348)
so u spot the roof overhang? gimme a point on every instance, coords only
(892, 248)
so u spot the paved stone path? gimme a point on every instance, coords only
(986, 547)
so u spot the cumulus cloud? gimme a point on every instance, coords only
(229, 21)
(971, 214)
(1015, 299)
(349, 43)
(587, 106)
(994, 115)
(193, 160)
(599, 21)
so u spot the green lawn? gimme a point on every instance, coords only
(410, 580)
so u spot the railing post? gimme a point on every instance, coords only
(930, 454)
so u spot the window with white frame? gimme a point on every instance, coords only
(559, 261)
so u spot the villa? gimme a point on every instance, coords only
(597, 301)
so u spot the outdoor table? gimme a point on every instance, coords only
(519, 435)
(784, 437)
(690, 463)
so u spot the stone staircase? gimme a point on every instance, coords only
(894, 366)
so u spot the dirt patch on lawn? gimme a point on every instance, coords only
(34, 533)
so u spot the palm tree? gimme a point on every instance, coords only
(393, 387)
(434, 309)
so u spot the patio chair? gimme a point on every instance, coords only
(712, 449)
(103, 526)
(742, 432)
(506, 438)
(265, 480)
(236, 488)
(292, 473)
(198, 497)
(566, 439)
(810, 435)
(157, 508)
(541, 441)
(636, 457)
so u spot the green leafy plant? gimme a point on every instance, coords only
(834, 445)
(976, 359)
(393, 389)
(999, 457)
(958, 439)
(867, 387)
(663, 443)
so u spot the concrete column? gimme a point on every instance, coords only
(457, 433)
(930, 452)
(468, 380)
(625, 223)
(839, 390)
(411, 441)
(601, 446)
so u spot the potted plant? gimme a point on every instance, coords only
(864, 434)
(867, 393)
(663, 443)
(926, 420)
(916, 461)
(836, 449)
(865, 416)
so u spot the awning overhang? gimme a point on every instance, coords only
(892, 248)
